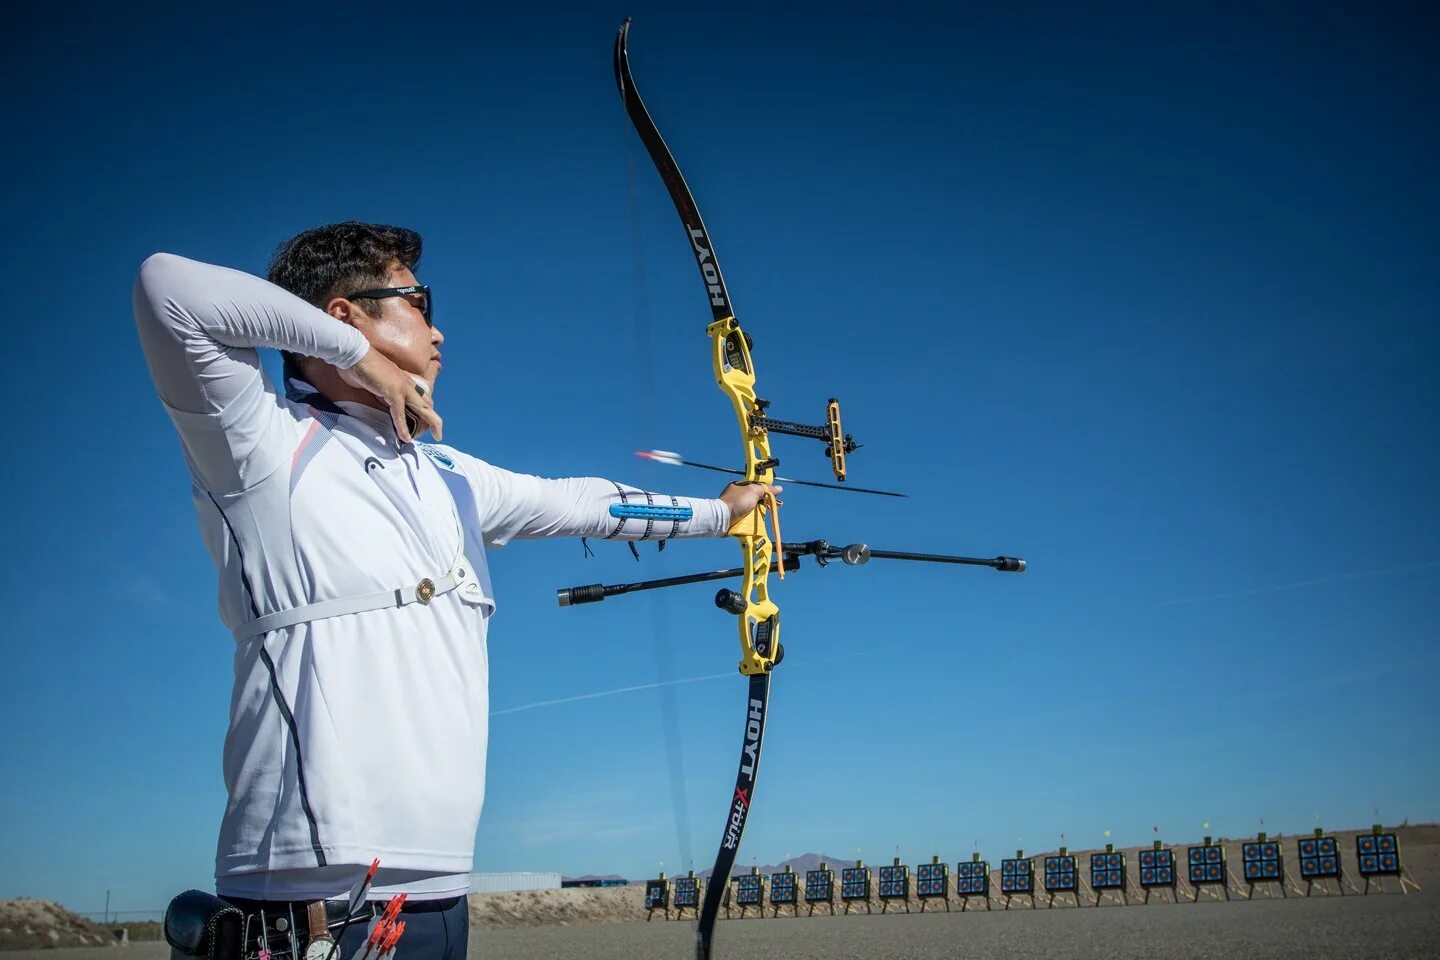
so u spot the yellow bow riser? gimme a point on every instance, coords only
(735, 375)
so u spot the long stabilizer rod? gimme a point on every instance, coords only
(854, 554)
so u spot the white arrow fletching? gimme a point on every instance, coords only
(662, 456)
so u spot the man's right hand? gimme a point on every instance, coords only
(397, 392)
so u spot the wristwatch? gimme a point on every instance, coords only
(320, 944)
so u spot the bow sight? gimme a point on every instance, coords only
(837, 441)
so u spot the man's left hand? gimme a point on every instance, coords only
(742, 498)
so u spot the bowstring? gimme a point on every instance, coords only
(659, 604)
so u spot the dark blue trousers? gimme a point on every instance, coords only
(434, 929)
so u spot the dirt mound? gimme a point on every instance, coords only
(534, 908)
(26, 924)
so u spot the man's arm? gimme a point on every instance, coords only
(199, 327)
(518, 506)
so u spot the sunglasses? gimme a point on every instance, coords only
(418, 295)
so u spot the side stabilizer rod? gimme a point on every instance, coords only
(855, 554)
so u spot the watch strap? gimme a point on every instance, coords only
(319, 927)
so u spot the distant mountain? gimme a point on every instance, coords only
(594, 876)
(800, 864)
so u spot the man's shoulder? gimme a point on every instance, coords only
(453, 460)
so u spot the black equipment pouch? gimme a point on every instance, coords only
(200, 924)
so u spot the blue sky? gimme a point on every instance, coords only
(1147, 299)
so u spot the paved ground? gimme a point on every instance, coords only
(1372, 928)
(1315, 929)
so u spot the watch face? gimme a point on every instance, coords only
(319, 949)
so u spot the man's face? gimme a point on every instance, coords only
(399, 331)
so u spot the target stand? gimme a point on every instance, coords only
(749, 892)
(686, 896)
(657, 897)
(1157, 872)
(784, 893)
(1109, 874)
(1207, 870)
(1017, 879)
(932, 882)
(820, 889)
(972, 879)
(894, 885)
(1061, 876)
(1262, 863)
(855, 887)
(1378, 856)
(1320, 862)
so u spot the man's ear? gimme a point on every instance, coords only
(343, 310)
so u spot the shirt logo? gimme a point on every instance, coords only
(435, 454)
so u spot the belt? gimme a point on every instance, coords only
(286, 917)
(335, 911)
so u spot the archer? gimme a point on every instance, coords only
(352, 565)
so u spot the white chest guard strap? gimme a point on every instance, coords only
(461, 577)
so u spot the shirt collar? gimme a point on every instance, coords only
(298, 391)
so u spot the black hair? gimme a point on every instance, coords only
(322, 263)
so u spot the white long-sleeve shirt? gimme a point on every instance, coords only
(362, 735)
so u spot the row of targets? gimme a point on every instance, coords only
(1262, 860)
(784, 890)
